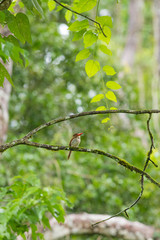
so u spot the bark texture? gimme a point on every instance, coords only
(4, 97)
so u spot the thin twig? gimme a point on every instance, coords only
(80, 14)
(142, 176)
(126, 209)
(152, 144)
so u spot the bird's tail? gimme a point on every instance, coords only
(69, 154)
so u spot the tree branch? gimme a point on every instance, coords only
(25, 141)
(142, 177)
(120, 161)
(82, 114)
(80, 14)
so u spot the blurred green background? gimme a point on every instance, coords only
(53, 86)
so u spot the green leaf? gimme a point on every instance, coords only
(105, 120)
(41, 236)
(19, 26)
(24, 26)
(33, 5)
(101, 108)
(51, 5)
(92, 67)
(37, 7)
(107, 32)
(12, 39)
(89, 38)
(84, 5)
(34, 229)
(4, 73)
(105, 50)
(82, 55)
(97, 98)
(111, 96)
(46, 222)
(23, 236)
(78, 35)
(109, 70)
(105, 21)
(68, 15)
(13, 27)
(113, 108)
(2, 17)
(113, 85)
(59, 8)
(28, 4)
(78, 25)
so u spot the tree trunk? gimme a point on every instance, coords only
(134, 30)
(156, 69)
(4, 97)
(80, 224)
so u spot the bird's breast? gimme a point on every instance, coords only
(75, 142)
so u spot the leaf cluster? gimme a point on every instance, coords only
(25, 203)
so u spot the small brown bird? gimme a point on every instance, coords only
(74, 142)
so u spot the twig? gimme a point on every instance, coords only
(142, 177)
(151, 146)
(80, 14)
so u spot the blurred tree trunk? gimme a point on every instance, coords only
(134, 32)
(80, 224)
(133, 42)
(4, 97)
(156, 69)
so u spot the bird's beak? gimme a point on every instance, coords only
(79, 134)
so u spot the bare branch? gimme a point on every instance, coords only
(82, 114)
(120, 161)
(80, 14)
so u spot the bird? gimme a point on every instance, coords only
(74, 142)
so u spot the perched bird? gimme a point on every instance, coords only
(74, 142)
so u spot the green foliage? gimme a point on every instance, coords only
(105, 50)
(111, 96)
(101, 108)
(33, 6)
(84, 5)
(113, 85)
(25, 203)
(92, 67)
(9, 46)
(4, 73)
(105, 120)
(51, 5)
(89, 38)
(68, 16)
(105, 21)
(79, 25)
(19, 26)
(82, 55)
(109, 70)
(97, 98)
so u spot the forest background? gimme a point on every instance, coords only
(54, 85)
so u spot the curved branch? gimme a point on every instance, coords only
(80, 14)
(82, 114)
(142, 177)
(120, 161)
